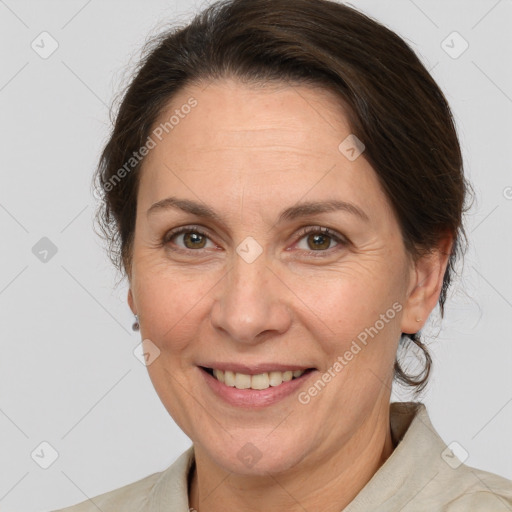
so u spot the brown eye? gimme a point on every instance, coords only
(194, 240)
(186, 239)
(318, 241)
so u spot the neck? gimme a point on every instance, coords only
(330, 485)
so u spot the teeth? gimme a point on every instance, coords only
(229, 378)
(260, 381)
(287, 376)
(275, 378)
(242, 381)
(219, 375)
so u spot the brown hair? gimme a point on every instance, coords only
(393, 104)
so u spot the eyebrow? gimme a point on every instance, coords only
(291, 213)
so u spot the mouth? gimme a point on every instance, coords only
(260, 381)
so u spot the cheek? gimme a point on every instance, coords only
(171, 304)
(356, 316)
(349, 298)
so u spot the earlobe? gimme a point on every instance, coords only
(426, 285)
(131, 302)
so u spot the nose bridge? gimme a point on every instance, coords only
(251, 300)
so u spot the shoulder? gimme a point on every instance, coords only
(477, 490)
(156, 490)
(129, 498)
(425, 474)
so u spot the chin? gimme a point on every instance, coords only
(257, 457)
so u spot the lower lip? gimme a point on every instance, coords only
(255, 398)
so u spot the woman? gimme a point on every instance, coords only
(284, 189)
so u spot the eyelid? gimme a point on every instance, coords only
(184, 229)
(338, 237)
(324, 231)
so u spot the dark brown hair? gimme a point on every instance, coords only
(393, 106)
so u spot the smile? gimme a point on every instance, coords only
(259, 381)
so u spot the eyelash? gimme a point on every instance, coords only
(340, 240)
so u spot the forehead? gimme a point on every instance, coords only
(242, 138)
(228, 112)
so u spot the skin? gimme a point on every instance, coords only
(248, 152)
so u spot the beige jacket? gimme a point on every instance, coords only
(421, 475)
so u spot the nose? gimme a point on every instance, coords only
(252, 302)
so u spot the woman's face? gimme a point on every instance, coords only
(253, 285)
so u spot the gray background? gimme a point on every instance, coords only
(68, 374)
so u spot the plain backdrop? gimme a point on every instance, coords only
(68, 373)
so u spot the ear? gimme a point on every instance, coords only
(131, 302)
(426, 284)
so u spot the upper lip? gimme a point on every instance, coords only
(254, 369)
